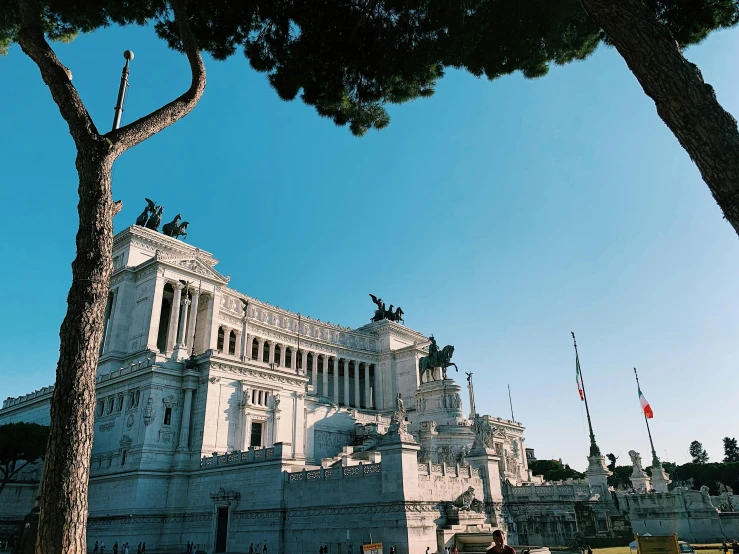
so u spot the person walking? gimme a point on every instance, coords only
(143, 548)
(499, 545)
(125, 548)
(264, 549)
(115, 547)
(428, 549)
(456, 550)
(251, 548)
(138, 550)
(96, 550)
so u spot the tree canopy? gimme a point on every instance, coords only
(21, 444)
(731, 450)
(698, 453)
(554, 470)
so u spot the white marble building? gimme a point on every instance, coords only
(227, 427)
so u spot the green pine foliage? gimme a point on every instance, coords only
(350, 60)
(554, 470)
(21, 444)
(731, 450)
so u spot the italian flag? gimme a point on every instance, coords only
(579, 378)
(645, 407)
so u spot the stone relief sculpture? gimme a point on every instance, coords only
(483, 433)
(467, 502)
(149, 412)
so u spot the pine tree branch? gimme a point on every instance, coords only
(57, 77)
(132, 134)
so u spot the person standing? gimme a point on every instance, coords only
(138, 550)
(251, 548)
(115, 547)
(264, 549)
(499, 545)
(102, 547)
(97, 548)
(428, 549)
(143, 548)
(125, 548)
(456, 550)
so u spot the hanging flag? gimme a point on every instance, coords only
(645, 407)
(579, 378)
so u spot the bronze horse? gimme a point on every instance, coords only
(441, 360)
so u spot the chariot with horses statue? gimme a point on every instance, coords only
(382, 313)
(151, 218)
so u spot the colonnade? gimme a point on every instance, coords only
(345, 381)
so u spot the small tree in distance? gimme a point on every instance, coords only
(731, 450)
(21, 445)
(698, 453)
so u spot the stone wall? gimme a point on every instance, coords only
(690, 514)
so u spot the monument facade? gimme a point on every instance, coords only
(224, 421)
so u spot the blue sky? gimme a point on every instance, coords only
(500, 216)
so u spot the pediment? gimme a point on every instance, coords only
(194, 265)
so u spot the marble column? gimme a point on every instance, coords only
(190, 342)
(346, 382)
(314, 372)
(367, 402)
(249, 347)
(283, 354)
(271, 352)
(180, 350)
(304, 362)
(357, 403)
(237, 344)
(174, 316)
(109, 322)
(243, 355)
(336, 380)
(260, 350)
(185, 425)
(155, 314)
(324, 392)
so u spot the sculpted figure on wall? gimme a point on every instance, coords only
(636, 461)
(467, 502)
(483, 433)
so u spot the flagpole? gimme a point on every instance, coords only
(655, 459)
(513, 418)
(594, 450)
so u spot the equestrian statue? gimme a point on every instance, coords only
(436, 359)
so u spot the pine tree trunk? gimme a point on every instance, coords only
(686, 104)
(62, 527)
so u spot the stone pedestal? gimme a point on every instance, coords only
(597, 475)
(660, 478)
(640, 481)
(440, 402)
(489, 462)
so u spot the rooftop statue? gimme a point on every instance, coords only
(636, 461)
(175, 229)
(436, 359)
(151, 218)
(382, 313)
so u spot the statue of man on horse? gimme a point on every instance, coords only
(436, 359)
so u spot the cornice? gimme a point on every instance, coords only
(267, 375)
(154, 240)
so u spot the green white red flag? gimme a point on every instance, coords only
(579, 377)
(645, 407)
